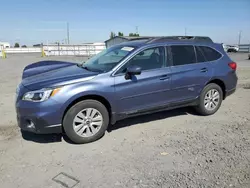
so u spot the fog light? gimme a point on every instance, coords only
(30, 124)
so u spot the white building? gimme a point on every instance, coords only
(4, 45)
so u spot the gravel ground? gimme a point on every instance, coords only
(169, 149)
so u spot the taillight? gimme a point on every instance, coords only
(232, 65)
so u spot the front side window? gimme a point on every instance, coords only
(210, 53)
(108, 59)
(148, 59)
(183, 55)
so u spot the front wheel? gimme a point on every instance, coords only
(86, 121)
(210, 99)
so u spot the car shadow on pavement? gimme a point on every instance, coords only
(41, 138)
(50, 138)
(152, 117)
(45, 138)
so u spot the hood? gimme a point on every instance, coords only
(53, 73)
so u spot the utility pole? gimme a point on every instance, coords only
(239, 37)
(185, 31)
(68, 31)
(136, 29)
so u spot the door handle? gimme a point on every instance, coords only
(204, 70)
(164, 77)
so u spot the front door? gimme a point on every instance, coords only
(147, 90)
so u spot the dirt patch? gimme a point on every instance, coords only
(8, 132)
(246, 87)
(211, 160)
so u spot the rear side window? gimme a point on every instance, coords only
(210, 54)
(200, 57)
(183, 54)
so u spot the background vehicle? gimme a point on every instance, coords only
(225, 47)
(129, 79)
(232, 48)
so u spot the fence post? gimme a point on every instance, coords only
(43, 52)
(3, 54)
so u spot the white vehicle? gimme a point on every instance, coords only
(232, 48)
(225, 47)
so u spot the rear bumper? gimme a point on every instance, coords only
(230, 92)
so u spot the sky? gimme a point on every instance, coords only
(34, 21)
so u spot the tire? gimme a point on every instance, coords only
(79, 117)
(203, 106)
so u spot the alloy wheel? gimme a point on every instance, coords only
(212, 99)
(87, 122)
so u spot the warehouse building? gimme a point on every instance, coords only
(4, 45)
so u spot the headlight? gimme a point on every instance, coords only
(40, 95)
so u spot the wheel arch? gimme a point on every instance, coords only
(96, 97)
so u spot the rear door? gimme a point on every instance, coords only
(188, 75)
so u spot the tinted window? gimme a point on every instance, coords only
(183, 55)
(199, 54)
(210, 53)
(152, 58)
(108, 58)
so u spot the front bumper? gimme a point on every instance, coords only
(39, 117)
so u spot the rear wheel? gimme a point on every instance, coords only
(210, 99)
(86, 121)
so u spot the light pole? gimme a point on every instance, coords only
(239, 37)
(68, 32)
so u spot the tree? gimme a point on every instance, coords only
(112, 34)
(24, 46)
(16, 45)
(120, 34)
(134, 35)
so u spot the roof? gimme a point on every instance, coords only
(133, 43)
(5, 43)
(154, 39)
(131, 37)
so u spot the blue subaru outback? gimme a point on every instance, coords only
(128, 79)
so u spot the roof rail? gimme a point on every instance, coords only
(183, 38)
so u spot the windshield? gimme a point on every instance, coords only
(107, 59)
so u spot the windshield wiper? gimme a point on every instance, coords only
(80, 64)
(87, 68)
(84, 67)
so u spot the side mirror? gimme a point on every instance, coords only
(132, 70)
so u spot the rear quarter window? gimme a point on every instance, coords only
(200, 56)
(210, 54)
